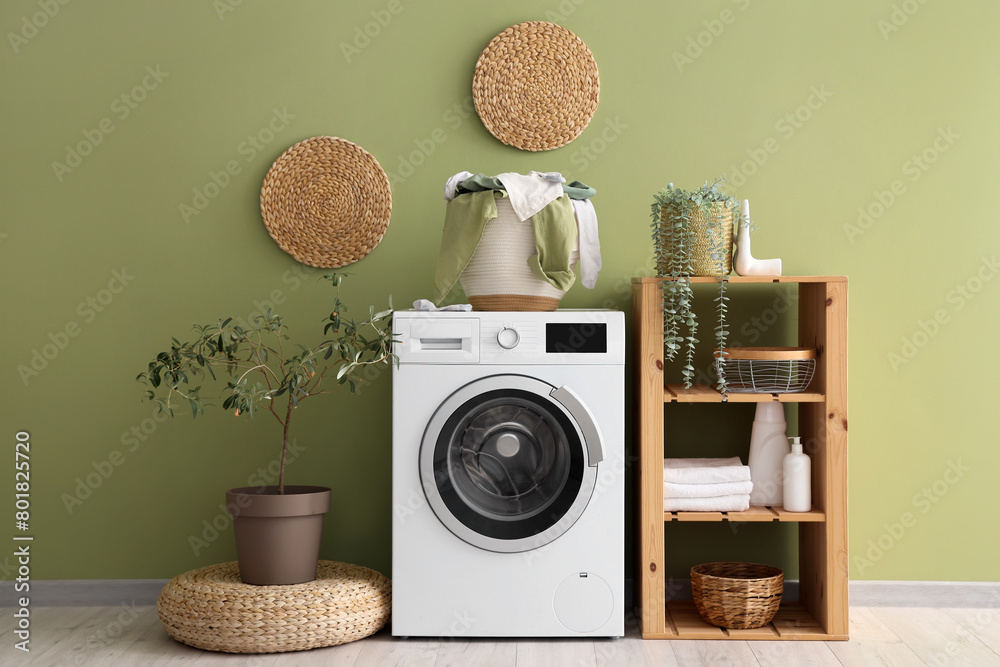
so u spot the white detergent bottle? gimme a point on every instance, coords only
(798, 483)
(768, 447)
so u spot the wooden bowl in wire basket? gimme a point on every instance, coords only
(737, 596)
(767, 370)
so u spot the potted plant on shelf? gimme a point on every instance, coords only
(278, 528)
(692, 234)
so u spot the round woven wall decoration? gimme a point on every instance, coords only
(536, 86)
(326, 201)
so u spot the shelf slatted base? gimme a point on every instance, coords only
(792, 622)
(752, 515)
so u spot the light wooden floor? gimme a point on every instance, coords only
(67, 636)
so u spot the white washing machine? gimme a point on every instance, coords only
(508, 482)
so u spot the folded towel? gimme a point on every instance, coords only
(705, 471)
(671, 490)
(716, 504)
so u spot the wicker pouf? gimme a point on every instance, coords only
(210, 608)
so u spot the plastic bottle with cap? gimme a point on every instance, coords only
(768, 447)
(798, 484)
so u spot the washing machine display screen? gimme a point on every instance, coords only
(576, 338)
(508, 465)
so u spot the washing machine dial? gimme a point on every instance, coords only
(508, 338)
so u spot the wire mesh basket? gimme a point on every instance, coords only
(766, 370)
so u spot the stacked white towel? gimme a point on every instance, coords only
(706, 485)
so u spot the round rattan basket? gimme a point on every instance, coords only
(536, 86)
(326, 202)
(714, 227)
(737, 596)
(211, 608)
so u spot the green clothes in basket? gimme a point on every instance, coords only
(466, 217)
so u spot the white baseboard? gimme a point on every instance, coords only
(141, 592)
(979, 594)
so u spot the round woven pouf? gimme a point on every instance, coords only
(210, 608)
(536, 86)
(326, 202)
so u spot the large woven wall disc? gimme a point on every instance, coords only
(536, 86)
(326, 201)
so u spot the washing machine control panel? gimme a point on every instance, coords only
(577, 337)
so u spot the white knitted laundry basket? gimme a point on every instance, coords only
(498, 277)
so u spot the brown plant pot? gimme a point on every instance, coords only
(278, 535)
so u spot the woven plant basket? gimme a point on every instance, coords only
(737, 596)
(497, 276)
(702, 263)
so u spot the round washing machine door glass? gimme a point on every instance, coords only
(508, 462)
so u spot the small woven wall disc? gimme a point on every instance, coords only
(326, 201)
(536, 86)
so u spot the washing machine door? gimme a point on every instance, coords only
(508, 463)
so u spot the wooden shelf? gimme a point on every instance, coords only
(754, 514)
(793, 621)
(822, 416)
(702, 393)
(749, 280)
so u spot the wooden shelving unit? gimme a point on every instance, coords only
(822, 612)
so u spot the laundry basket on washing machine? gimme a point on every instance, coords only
(497, 276)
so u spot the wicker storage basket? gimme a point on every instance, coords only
(737, 596)
(769, 370)
(497, 276)
(702, 263)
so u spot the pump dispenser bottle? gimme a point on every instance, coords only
(768, 446)
(798, 484)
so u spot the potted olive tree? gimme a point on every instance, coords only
(278, 528)
(692, 234)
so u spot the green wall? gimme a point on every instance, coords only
(99, 263)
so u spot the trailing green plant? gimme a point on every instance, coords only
(673, 243)
(262, 369)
